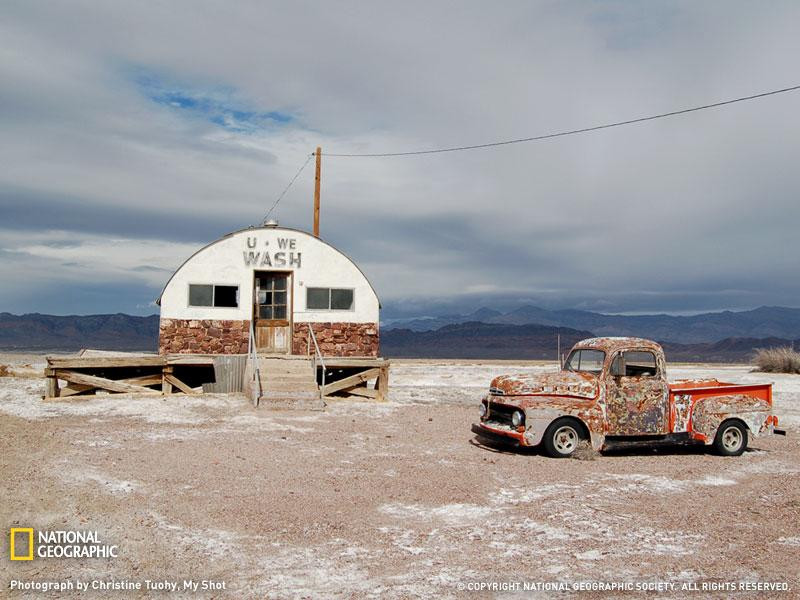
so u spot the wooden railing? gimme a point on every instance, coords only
(317, 356)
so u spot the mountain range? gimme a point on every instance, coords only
(763, 322)
(46, 333)
(713, 337)
(536, 342)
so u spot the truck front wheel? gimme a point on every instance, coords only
(562, 438)
(731, 439)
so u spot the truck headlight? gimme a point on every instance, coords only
(517, 418)
(482, 410)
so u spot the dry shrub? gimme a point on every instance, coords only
(5, 371)
(584, 451)
(777, 360)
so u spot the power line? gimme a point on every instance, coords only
(283, 193)
(534, 138)
(573, 131)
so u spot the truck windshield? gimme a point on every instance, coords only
(588, 361)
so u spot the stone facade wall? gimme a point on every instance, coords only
(338, 339)
(203, 336)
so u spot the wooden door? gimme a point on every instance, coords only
(272, 312)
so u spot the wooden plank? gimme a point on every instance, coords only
(364, 392)
(351, 381)
(333, 362)
(77, 388)
(51, 387)
(74, 389)
(383, 384)
(154, 379)
(83, 397)
(179, 384)
(189, 359)
(101, 382)
(105, 361)
(166, 386)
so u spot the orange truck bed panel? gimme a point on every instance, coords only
(715, 397)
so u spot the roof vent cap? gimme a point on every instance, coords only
(270, 223)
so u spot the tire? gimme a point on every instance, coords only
(562, 438)
(731, 439)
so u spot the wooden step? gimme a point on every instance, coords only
(287, 382)
(287, 376)
(266, 375)
(292, 404)
(275, 373)
(275, 384)
(288, 395)
(289, 362)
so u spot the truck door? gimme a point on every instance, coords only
(637, 396)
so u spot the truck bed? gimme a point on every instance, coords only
(705, 388)
(715, 400)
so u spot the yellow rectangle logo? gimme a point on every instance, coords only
(13, 535)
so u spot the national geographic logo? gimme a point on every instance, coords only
(57, 544)
(23, 551)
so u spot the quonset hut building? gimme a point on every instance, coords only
(283, 281)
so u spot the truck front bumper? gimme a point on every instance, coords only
(500, 436)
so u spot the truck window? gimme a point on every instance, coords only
(640, 364)
(589, 361)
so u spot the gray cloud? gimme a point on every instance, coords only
(30, 210)
(692, 213)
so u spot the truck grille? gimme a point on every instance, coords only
(501, 414)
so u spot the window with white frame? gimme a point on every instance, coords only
(220, 296)
(329, 298)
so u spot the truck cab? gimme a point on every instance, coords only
(614, 392)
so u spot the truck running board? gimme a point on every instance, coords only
(637, 441)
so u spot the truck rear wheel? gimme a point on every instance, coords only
(562, 438)
(731, 439)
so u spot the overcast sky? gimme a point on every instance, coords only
(133, 133)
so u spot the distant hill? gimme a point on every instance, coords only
(738, 350)
(532, 342)
(68, 333)
(479, 340)
(764, 322)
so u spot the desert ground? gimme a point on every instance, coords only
(385, 500)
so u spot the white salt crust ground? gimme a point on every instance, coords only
(391, 500)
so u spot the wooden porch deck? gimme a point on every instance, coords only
(358, 377)
(128, 374)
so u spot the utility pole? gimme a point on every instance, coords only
(317, 177)
(558, 351)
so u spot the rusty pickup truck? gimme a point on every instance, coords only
(613, 392)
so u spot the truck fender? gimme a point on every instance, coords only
(538, 420)
(709, 413)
